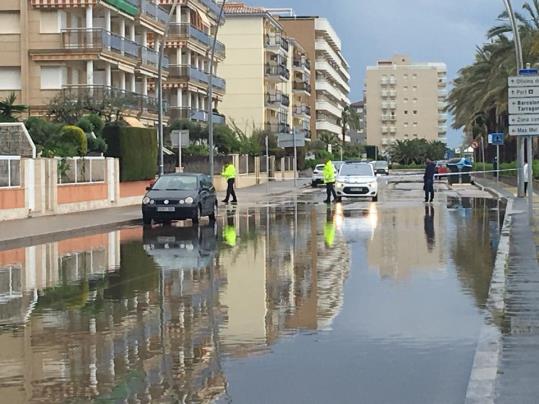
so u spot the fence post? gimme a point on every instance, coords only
(283, 168)
(28, 167)
(257, 169)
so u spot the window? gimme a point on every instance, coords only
(10, 78)
(406, 76)
(10, 22)
(53, 77)
(405, 112)
(405, 88)
(415, 112)
(414, 76)
(52, 22)
(415, 100)
(406, 100)
(415, 124)
(405, 124)
(414, 88)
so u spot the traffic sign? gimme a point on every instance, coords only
(524, 130)
(179, 137)
(524, 105)
(287, 140)
(523, 81)
(528, 72)
(529, 119)
(496, 138)
(523, 92)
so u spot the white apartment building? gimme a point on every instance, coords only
(405, 100)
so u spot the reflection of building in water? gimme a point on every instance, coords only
(280, 277)
(405, 242)
(107, 324)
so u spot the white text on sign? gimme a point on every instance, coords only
(524, 106)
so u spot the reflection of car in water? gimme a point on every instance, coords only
(183, 248)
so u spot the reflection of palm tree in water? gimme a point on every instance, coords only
(428, 223)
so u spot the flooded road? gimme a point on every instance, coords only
(289, 303)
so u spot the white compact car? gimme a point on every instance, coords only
(357, 180)
(318, 176)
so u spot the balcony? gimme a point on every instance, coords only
(212, 7)
(115, 96)
(442, 129)
(100, 40)
(442, 118)
(329, 107)
(388, 118)
(302, 110)
(277, 43)
(189, 32)
(279, 72)
(176, 113)
(277, 99)
(302, 86)
(189, 73)
(277, 127)
(302, 64)
(328, 126)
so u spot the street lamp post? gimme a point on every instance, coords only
(520, 65)
(210, 90)
(160, 88)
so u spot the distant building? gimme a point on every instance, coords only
(267, 73)
(359, 135)
(331, 79)
(405, 100)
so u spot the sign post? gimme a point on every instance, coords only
(497, 140)
(180, 139)
(292, 140)
(524, 118)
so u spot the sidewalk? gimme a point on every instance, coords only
(23, 232)
(516, 380)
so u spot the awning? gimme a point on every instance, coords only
(204, 19)
(126, 68)
(133, 122)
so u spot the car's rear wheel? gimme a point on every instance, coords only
(146, 219)
(314, 184)
(198, 214)
(213, 214)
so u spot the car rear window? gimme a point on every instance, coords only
(363, 170)
(380, 164)
(176, 183)
(319, 167)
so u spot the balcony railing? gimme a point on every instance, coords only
(278, 98)
(199, 115)
(97, 93)
(98, 39)
(302, 110)
(212, 6)
(277, 70)
(277, 41)
(302, 86)
(192, 74)
(277, 127)
(187, 31)
(302, 63)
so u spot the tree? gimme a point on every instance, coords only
(8, 109)
(416, 151)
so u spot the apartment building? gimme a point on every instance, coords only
(86, 49)
(405, 100)
(330, 78)
(267, 73)
(360, 133)
(188, 44)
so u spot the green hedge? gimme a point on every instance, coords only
(137, 150)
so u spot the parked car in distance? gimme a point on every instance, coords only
(381, 167)
(318, 176)
(441, 168)
(357, 180)
(180, 197)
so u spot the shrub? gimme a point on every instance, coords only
(85, 124)
(136, 148)
(43, 132)
(97, 123)
(73, 135)
(97, 144)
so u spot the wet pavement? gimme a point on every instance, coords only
(285, 302)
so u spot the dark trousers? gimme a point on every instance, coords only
(330, 190)
(525, 188)
(230, 190)
(429, 190)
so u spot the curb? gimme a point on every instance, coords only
(482, 383)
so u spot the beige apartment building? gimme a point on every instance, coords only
(187, 47)
(330, 78)
(405, 100)
(267, 73)
(96, 50)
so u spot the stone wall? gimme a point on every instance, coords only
(15, 140)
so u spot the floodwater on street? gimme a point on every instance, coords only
(290, 303)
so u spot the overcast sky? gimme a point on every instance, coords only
(428, 30)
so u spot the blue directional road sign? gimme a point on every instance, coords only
(528, 72)
(496, 139)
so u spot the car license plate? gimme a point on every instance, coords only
(163, 240)
(166, 209)
(356, 189)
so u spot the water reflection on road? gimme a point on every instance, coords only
(297, 303)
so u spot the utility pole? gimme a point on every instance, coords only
(160, 88)
(210, 90)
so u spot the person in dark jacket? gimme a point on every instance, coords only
(428, 180)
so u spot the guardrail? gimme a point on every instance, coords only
(10, 171)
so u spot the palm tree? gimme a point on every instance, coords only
(8, 108)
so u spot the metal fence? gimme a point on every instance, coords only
(10, 171)
(77, 170)
(244, 165)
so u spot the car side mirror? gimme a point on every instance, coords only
(148, 188)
